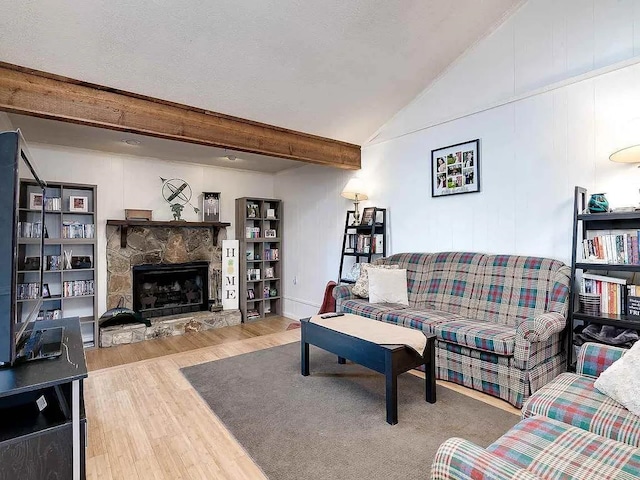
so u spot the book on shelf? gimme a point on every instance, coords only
(253, 313)
(52, 204)
(252, 232)
(78, 230)
(30, 229)
(612, 291)
(78, 288)
(617, 248)
(633, 304)
(271, 254)
(378, 244)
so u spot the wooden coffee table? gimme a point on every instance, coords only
(390, 360)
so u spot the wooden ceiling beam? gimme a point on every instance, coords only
(40, 94)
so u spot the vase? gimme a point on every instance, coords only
(598, 203)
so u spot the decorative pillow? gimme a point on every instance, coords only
(621, 380)
(388, 286)
(361, 287)
(354, 274)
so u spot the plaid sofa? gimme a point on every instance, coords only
(498, 318)
(569, 431)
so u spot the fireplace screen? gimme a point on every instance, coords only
(169, 289)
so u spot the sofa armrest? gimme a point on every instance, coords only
(540, 328)
(595, 358)
(342, 293)
(458, 459)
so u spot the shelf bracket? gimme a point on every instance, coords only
(123, 236)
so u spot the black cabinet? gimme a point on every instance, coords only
(365, 241)
(618, 260)
(45, 441)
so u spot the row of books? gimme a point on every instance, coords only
(30, 229)
(361, 243)
(78, 288)
(78, 230)
(272, 254)
(252, 232)
(612, 292)
(619, 249)
(27, 291)
(252, 314)
(53, 204)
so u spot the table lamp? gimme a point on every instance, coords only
(627, 155)
(354, 190)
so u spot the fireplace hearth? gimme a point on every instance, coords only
(170, 289)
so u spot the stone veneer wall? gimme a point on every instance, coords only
(158, 245)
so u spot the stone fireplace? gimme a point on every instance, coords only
(168, 251)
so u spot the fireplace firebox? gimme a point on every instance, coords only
(170, 289)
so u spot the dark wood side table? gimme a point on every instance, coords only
(50, 443)
(390, 360)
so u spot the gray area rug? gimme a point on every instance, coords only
(331, 425)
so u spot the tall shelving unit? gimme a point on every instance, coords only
(378, 228)
(260, 256)
(84, 305)
(583, 223)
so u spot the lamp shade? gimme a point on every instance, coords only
(354, 190)
(626, 155)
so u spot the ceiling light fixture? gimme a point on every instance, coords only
(231, 158)
(131, 141)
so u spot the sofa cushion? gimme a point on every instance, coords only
(554, 450)
(388, 286)
(361, 287)
(450, 281)
(369, 310)
(621, 381)
(416, 266)
(573, 399)
(425, 320)
(513, 288)
(487, 336)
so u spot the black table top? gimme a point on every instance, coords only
(69, 366)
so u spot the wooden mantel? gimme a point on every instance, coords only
(41, 94)
(125, 224)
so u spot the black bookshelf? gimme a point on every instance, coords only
(366, 232)
(582, 224)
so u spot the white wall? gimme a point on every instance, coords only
(5, 123)
(133, 182)
(547, 118)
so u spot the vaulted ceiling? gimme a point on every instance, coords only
(338, 69)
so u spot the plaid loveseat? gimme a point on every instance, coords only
(498, 318)
(569, 430)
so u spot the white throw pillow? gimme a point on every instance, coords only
(361, 287)
(621, 381)
(388, 286)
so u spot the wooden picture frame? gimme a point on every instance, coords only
(367, 216)
(455, 169)
(210, 206)
(36, 201)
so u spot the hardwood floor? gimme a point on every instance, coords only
(147, 422)
(110, 357)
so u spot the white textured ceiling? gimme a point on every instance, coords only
(335, 68)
